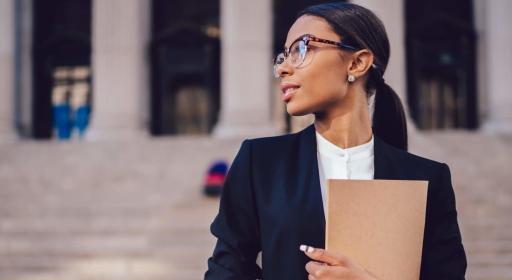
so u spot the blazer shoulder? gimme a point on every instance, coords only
(414, 160)
(274, 142)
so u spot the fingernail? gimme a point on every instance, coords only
(305, 248)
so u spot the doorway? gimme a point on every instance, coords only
(441, 60)
(185, 66)
(61, 59)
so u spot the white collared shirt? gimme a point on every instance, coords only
(355, 163)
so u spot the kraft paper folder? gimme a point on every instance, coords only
(378, 224)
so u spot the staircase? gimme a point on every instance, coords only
(126, 210)
(134, 209)
(482, 179)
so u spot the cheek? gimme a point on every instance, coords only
(322, 85)
(325, 81)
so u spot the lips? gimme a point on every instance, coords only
(288, 90)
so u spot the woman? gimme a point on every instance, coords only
(274, 195)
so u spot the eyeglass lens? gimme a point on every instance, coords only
(297, 56)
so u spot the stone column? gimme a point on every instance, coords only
(7, 70)
(246, 69)
(392, 14)
(496, 59)
(23, 92)
(481, 61)
(120, 34)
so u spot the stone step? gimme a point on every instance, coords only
(499, 234)
(488, 246)
(137, 200)
(490, 259)
(476, 223)
(177, 208)
(178, 274)
(68, 225)
(98, 244)
(169, 262)
(494, 272)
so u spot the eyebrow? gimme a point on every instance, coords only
(299, 37)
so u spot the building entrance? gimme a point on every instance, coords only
(62, 59)
(185, 66)
(441, 64)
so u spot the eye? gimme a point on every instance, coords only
(296, 47)
(280, 58)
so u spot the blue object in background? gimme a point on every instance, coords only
(220, 167)
(62, 121)
(82, 119)
(215, 178)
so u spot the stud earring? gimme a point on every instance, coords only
(351, 78)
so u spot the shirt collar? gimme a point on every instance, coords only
(327, 148)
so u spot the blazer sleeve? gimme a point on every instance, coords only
(236, 225)
(444, 252)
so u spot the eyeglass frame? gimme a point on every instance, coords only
(306, 39)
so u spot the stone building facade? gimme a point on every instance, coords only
(124, 60)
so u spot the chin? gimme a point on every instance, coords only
(296, 110)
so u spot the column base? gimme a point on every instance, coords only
(115, 134)
(498, 127)
(8, 136)
(245, 130)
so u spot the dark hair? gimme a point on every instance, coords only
(361, 28)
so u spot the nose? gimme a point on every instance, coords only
(285, 69)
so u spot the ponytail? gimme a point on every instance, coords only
(389, 122)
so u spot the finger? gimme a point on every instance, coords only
(320, 270)
(322, 255)
(312, 267)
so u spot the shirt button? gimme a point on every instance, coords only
(342, 154)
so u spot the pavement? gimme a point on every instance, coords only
(134, 209)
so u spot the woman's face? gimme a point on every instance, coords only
(320, 83)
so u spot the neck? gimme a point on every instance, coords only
(345, 129)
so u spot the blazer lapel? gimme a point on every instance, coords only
(313, 211)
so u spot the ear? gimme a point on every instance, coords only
(361, 61)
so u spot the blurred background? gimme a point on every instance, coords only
(112, 111)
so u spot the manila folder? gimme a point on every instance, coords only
(378, 224)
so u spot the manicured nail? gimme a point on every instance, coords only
(305, 248)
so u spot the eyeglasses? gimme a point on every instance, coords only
(299, 48)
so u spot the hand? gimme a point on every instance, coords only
(332, 266)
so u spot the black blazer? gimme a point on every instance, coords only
(271, 202)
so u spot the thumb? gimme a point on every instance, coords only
(322, 255)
